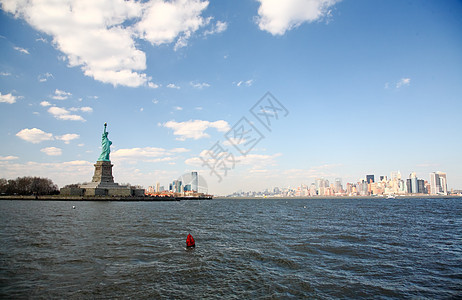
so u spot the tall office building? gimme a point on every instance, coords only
(338, 185)
(370, 178)
(395, 175)
(194, 182)
(421, 186)
(414, 183)
(438, 183)
(177, 186)
(443, 182)
(409, 186)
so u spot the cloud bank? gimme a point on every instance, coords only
(277, 17)
(100, 36)
(195, 129)
(35, 136)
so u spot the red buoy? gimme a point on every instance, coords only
(190, 243)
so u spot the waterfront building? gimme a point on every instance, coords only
(363, 188)
(177, 186)
(409, 186)
(421, 186)
(443, 182)
(395, 175)
(438, 183)
(414, 188)
(369, 178)
(194, 182)
(338, 185)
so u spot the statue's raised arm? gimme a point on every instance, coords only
(105, 146)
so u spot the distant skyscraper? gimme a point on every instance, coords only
(409, 186)
(370, 178)
(414, 187)
(177, 186)
(438, 183)
(338, 185)
(421, 186)
(194, 182)
(443, 182)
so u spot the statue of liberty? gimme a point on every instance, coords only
(105, 145)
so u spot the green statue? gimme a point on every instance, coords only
(105, 145)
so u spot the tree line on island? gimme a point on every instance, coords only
(28, 186)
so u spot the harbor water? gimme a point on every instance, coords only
(245, 249)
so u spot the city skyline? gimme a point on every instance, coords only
(356, 87)
(366, 186)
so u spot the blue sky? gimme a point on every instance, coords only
(370, 87)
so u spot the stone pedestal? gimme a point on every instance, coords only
(103, 172)
(103, 183)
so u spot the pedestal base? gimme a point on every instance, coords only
(103, 183)
(103, 172)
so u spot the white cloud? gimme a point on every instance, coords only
(255, 161)
(403, 82)
(245, 83)
(162, 22)
(8, 98)
(61, 95)
(277, 16)
(22, 50)
(7, 158)
(5, 74)
(258, 160)
(99, 36)
(147, 154)
(182, 41)
(152, 85)
(322, 171)
(91, 35)
(178, 108)
(173, 86)
(86, 109)
(68, 137)
(155, 101)
(199, 85)
(63, 114)
(34, 135)
(44, 77)
(45, 103)
(195, 129)
(52, 151)
(218, 28)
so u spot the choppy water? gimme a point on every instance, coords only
(244, 249)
